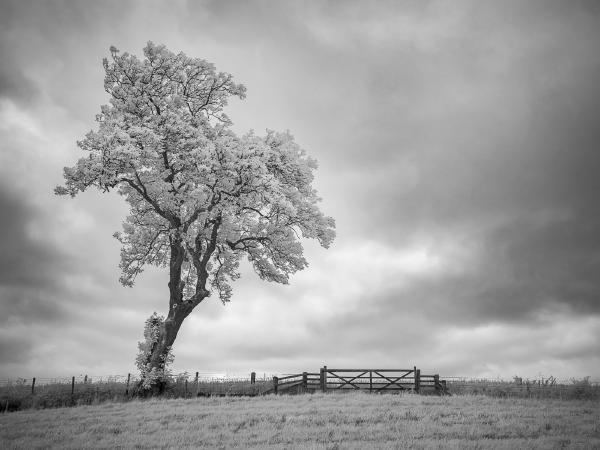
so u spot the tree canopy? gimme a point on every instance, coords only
(200, 197)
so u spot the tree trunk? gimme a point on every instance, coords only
(164, 332)
(159, 355)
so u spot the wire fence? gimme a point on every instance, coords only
(48, 392)
(122, 378)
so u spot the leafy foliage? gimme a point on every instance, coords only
(152, 375)
(200, 197)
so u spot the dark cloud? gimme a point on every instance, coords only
(516, 281)
(552, 263)
(460, 141)
(40, 58)
(24, 261)
(29, 267)
(491, 134)
(15, 85)
(14, 82)
(15, 347)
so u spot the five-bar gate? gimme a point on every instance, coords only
(369, 380)
(373, 380)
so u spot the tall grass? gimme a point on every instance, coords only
(321, 421)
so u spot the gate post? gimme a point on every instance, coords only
(436, 382)
(253, 378)
(417, 380)
(324, 379)
(275, 384)
(321, 379)
(305, 380)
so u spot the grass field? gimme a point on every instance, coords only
(332, 421)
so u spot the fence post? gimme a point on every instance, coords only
(33, 386)
(196, 384)
(305, 380)
(127, 387)
(324, 379)
(436, 382)
(416, 384)
(253, 378)
(417, 380)
(321, 379)
(85, 380)
(186, 389)
(275, 383)
(370, 381)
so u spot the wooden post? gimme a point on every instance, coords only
(436, 382)
(127, 387)
(72, 389)
(85, 380)
(324, 379)
(33, 386)
(186, 390)
(305, 380)
(196, 384)
(253, 378)
(417, 380)
(370, 381)
(321, 380)
(275, 383)
(415, 387)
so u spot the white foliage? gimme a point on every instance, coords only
(151, 375)
(200, 197)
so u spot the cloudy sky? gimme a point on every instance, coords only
(458, 151)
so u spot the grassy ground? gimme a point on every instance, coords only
(354, 420)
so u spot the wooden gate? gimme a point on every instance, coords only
(372, 380)
(369, 380)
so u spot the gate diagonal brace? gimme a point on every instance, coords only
(394, 380)
(347, 381)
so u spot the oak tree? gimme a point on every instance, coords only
(200, 196)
